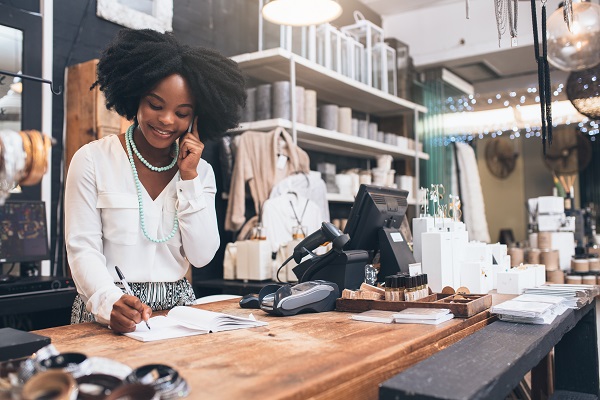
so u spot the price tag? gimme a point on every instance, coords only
(281, 161)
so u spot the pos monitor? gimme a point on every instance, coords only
(374, 225)
(23, 233)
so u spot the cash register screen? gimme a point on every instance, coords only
(23, 233)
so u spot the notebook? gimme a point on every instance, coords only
(184, 321)
(429, 316)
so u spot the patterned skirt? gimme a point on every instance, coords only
(157, 295)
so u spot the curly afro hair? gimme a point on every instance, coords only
(137, 60)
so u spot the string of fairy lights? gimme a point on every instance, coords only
(524, 104)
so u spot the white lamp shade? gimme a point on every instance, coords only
(301, 12)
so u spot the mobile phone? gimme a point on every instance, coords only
(191, 126)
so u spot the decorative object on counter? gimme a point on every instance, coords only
(574, 46)
(583, 91)
(301, 12)
(541, 57)
(167, 382)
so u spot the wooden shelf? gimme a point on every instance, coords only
(319, 139)
(274, 65)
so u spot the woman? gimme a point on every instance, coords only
(144, 200)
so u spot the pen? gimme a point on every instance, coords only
(126, 285)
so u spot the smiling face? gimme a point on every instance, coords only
(166, 111)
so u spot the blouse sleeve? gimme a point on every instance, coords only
(198, 217)
(83, 238)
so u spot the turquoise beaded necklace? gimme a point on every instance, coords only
(145, 162)
(129, 143)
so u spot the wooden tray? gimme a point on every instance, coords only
(461, 305)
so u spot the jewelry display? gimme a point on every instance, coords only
(138, 187)
(507, 12)
(424, 201)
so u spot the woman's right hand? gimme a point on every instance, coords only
(127, 312)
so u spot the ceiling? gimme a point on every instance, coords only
(507, 69)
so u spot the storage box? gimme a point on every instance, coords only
(476, 276)
(437, 259)
(420, 226)
(461, 305)
(516, 280)
(550, 205)
(253, 260)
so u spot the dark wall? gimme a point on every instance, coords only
(230, 27)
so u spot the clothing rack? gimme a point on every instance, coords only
(31, 78)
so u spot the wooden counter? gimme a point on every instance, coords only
(325, 356)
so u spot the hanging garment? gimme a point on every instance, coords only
(471, 195)
(262, 160)
(281, 214)
(309, 185)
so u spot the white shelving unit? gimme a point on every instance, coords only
(314, 138)
(279, 64)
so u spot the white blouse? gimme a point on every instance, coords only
(102, 225)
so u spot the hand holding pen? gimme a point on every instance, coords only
(129, 292)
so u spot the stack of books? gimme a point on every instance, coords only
(429, 316)
(531, 309)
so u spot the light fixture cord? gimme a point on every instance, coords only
(543, 74)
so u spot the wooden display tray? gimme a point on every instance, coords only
(461, 305)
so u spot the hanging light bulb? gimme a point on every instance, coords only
(578, 48)
(301, 12)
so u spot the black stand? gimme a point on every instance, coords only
(346, 269)
(395, 253)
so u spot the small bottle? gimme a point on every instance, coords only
(426, 284)
(388, 288)
(401, 287)
(409, 292)
(419, 287)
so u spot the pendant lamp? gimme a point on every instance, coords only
(578, 48)
(301, 12)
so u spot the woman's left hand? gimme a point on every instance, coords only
(190, 151)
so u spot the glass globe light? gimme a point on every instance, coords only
(579, 48)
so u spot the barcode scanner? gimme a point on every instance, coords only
(327, 233)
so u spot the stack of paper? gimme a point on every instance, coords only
(531, 309)
(430, 316)
(576, 296)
